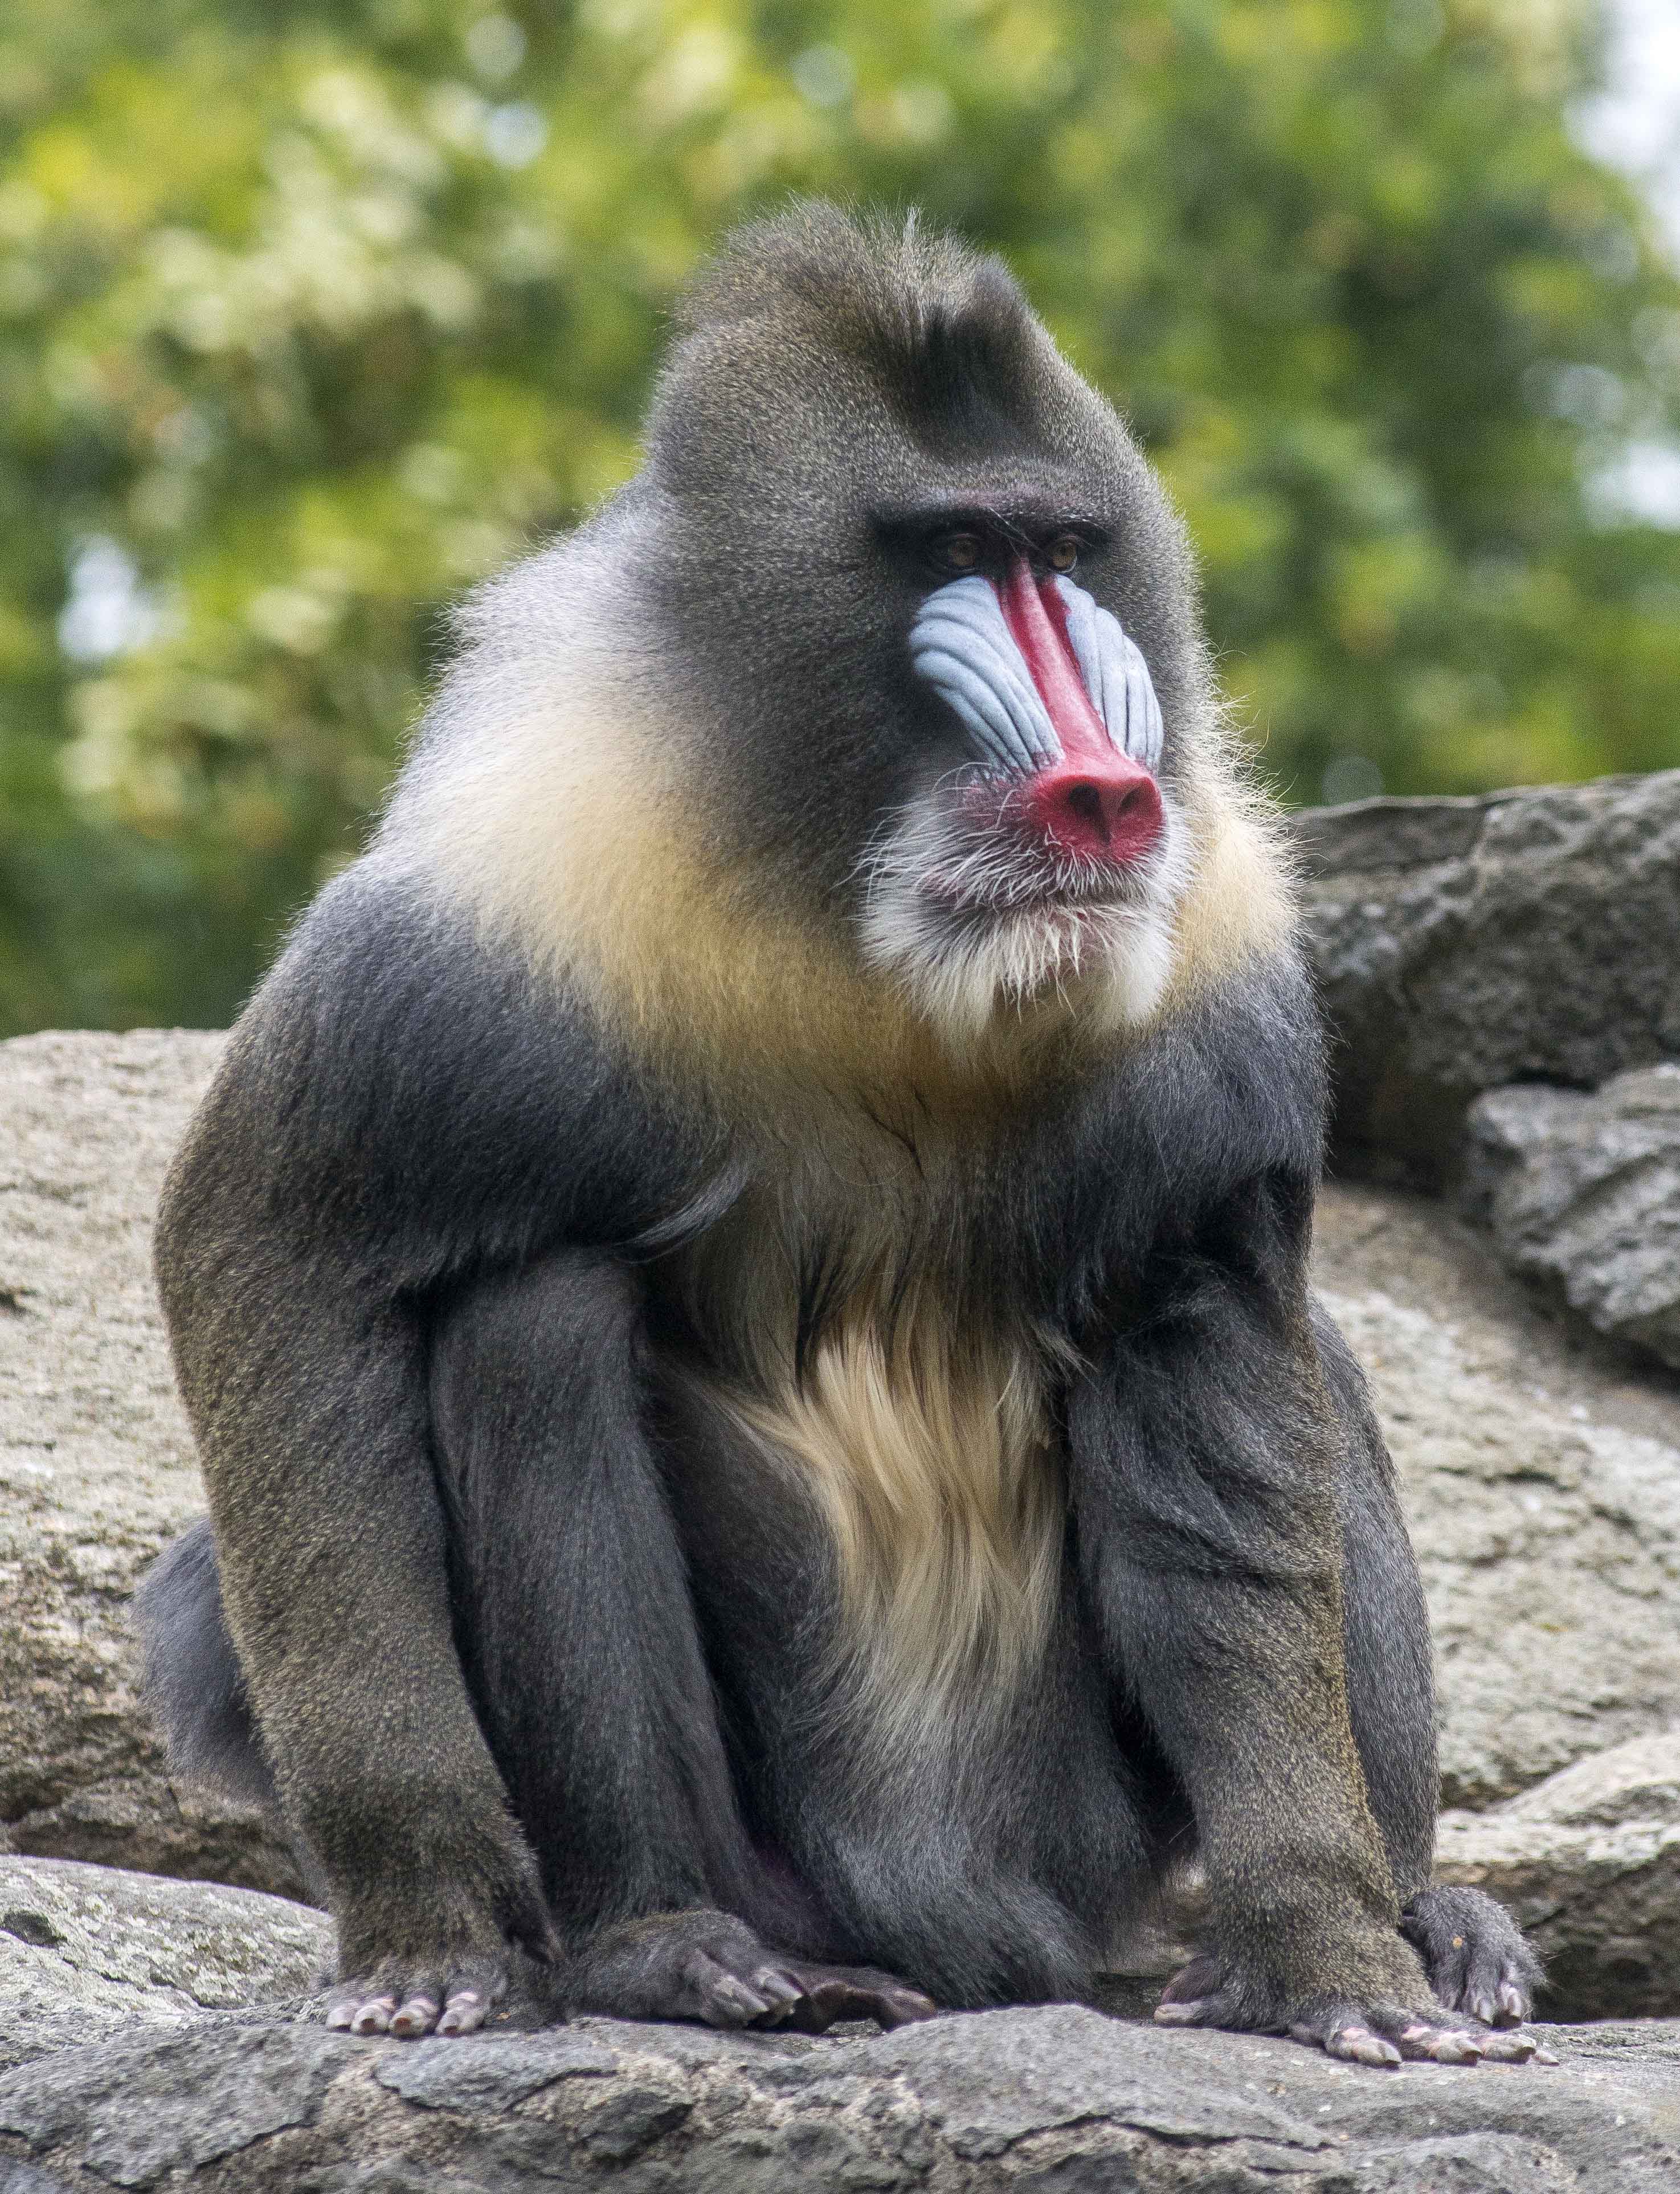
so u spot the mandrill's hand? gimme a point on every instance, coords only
(442, 1962)
(1384, 2020)
(709, 1966)
(1474, 1954)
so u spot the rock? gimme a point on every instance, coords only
(87, 1951)
(1057, 2099)
(1583, 1196)
(1462, 945)
(1634, 1783)
(1589, 1861)
(96, 1464)
(1541, 1478)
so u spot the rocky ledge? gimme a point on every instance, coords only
(147, 2082)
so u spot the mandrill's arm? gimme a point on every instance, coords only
(1204, 1459)
(1220, 1455)
(1208, 1453)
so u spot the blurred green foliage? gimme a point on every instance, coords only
(309, 315)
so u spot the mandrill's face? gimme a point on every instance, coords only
(942, 635)
(1047, 855)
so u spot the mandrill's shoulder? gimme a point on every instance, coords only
(408, 1087)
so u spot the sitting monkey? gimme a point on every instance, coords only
(742, 1284)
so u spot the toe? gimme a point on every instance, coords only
(417, 2014)
(464, 2011)
(1191, 2013)
(1502, 2047)
(1358, 2044)
(373, 2015)
(1194, 1982)
(1439, 2045)
(832, 1993)
(897, 2006)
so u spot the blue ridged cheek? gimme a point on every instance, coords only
(960, 643)
(1116, 676)
(962, 646)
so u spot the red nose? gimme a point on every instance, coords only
(1096, 802)
(1105, 809)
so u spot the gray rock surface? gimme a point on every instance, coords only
(1541, 1478)
(1589, 1861)
(91, 1951)
(1462, 945)
(96, 1464)
(1055, 2100)
(1582, 1193)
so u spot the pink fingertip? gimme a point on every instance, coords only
(374, 2016)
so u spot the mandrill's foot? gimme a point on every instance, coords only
(396, 1978)
(1474, 1954)
(710, 1966)
(1378, 2033)
(408, 1998)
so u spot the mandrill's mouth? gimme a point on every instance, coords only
(975, 910)
(990, 852)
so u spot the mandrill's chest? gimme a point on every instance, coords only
(844, 1341)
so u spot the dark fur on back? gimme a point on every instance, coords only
(191, 1682)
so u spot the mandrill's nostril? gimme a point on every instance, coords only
(1086, 803)
(1104, 817)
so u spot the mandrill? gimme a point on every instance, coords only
(741, 1286)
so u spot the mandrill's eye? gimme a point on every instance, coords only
(1064, 552)
(960, 552)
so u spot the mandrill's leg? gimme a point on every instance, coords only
(577, 1631)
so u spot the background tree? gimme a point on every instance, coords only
(311, 315)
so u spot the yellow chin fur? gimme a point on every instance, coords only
(569, 835)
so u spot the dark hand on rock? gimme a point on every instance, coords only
(1474, 1954)
(710, 1966)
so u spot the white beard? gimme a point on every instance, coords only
(968, 921)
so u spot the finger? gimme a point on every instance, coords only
(1425, 2042)
(373, 2015)
(417, 2014)
(1450, 1974)
(725, 1999)
(778, 1989)
(1515, 2003)
(464, 2013)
